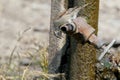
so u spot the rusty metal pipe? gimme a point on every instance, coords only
(81, 26)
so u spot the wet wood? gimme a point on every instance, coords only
(83, 55)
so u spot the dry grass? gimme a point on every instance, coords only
(35, 69)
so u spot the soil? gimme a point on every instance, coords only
(16, 16)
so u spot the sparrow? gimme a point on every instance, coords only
(69, 14)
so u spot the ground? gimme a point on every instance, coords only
(24, 25)
(109, 20)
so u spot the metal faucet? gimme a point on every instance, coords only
(80, 25)
(69, 23)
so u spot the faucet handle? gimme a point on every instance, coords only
(106, 49)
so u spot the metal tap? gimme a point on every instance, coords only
(80, 25)
(69, 23)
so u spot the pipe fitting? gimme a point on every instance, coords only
(69, 27)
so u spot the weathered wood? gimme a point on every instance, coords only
(56, 45)
(83, 56)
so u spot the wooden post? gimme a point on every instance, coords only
(56, 45)
(83, 56)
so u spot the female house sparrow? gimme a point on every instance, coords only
(66, 17)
